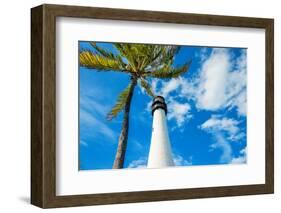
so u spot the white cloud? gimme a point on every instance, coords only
(212, 88)
(170, 86)
(139, 163)
(225, 125)
(180, 161)
(237, 82)
(154, 84)
(240, 159)
(222, 144)
(216, 122)
(185, 88)
(220, 84)
(240, 101)
(178, 111)
(224, 130)
(148, 107)
(202, 55)
(243, 151)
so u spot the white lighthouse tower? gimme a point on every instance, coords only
(160, 153)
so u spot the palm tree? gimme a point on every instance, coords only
(140, 62)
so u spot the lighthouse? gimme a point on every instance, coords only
(160, 152)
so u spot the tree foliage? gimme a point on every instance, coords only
(120, 103)
(140, 61)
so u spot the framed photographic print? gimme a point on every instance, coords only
(135, 106)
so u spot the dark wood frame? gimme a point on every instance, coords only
(43, 105)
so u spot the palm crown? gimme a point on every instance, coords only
(140, 61)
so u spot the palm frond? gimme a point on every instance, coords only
(102, 51)
(153, 54)
(94, 61)
(147, 87)
(169, 72)
(125, 51)
(169, 54)
(165, 56)
(147, 57)
(107, 54)
(120, 103)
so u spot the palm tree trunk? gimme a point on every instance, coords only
(123, 138)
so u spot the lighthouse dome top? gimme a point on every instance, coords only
(159, 103)
(159, 98)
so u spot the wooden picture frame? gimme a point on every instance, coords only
(43, 105)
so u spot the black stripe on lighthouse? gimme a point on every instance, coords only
(159, 103)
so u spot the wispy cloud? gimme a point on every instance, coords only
(179, 111)
(224, 130)
(237, 81)
(242, 158)
(137, 146)
(84, 143)
(88, 103)
(139, 163)
(180, 161)
(228, 126)
(88, 121)
(92, 117)
(202, 54)
(222, 144)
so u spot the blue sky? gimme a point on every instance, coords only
(206, 111)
